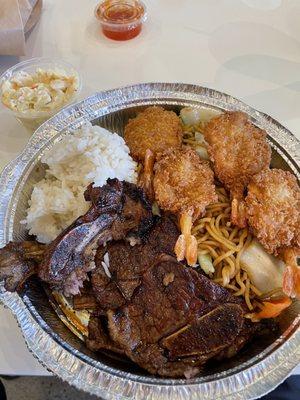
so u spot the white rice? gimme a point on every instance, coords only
(90, 154)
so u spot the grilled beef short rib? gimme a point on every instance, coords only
(115, 284)
(166, 317)
(117, 209)
(176, 320)
(18, 261)
(99, 338)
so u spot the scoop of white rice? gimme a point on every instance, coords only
(90, 154)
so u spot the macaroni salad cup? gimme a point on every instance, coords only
(36, 89)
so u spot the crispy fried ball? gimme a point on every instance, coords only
(273, 209)
(237, 149)
(155, 129)
(183, 182)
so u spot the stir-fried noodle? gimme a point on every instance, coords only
(221, 240)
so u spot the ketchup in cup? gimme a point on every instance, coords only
(121, 19)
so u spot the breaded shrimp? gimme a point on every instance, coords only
(273, 209)
(238, 151)
(184, 185)
(155, 129)
(273, 213)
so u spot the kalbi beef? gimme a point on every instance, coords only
(127, 264)
(166, 317)
(86, 299)
(18, 261)
(248, 331)
(84, 302)
(118, 209)
(134, 211)
(99, 338)
(206, 334)
(176, 320)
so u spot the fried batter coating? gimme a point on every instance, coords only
(183, 182)
(155, 129)
(273, 209)
(184, 185)
(238, 151)
(237, 148)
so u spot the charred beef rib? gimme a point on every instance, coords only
(86, 299)
(120, 266)
(18, 261)
(164, 316)
(176, 320)
(99, 338)
(117, 209)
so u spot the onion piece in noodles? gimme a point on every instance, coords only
(264, 270)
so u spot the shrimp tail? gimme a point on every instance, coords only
(180, 248)
(191, 250)
(186, 245)
(291, 275)
(146, 177)
(238, 213)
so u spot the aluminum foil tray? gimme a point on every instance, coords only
(256, 370)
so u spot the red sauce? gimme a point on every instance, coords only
(121, 20)
(122, 35)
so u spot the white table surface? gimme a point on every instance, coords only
(247, 48)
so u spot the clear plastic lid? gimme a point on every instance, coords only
(121, 15)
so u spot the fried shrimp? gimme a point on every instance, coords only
(273, 209)
(238, 151)
(273, 213)
(184, 185)
(152, 132)
(154, 129)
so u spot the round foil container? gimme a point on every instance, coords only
(256, 370)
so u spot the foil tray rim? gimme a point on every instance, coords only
(252, 382)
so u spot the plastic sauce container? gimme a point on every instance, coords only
(121, 20)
